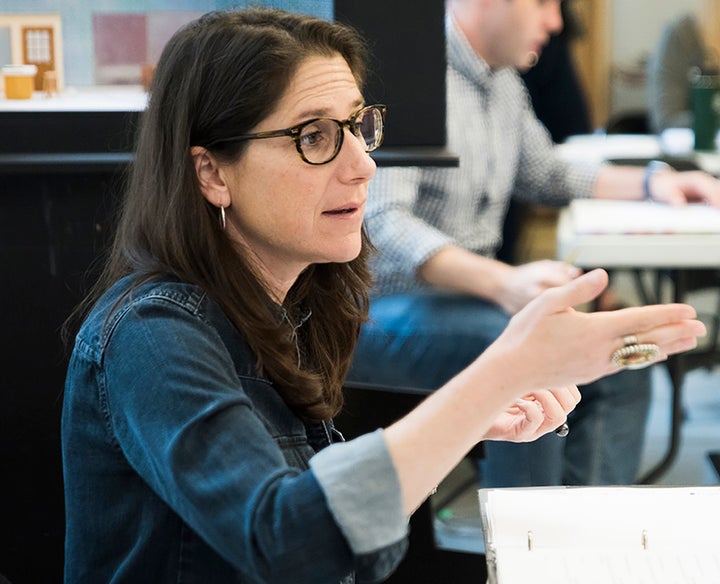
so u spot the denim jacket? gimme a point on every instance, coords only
(182, 463)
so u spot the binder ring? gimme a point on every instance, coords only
(635, 356)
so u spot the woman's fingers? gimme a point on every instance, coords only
(567, 397)
(671, 337)
(560, 346)
(670, 332)
(680, 346)
(547, 409)
(637, 319)
(533, 412)
(582, 289)
(534, 415)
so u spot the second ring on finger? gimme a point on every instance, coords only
(630, 340)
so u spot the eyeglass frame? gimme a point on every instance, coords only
(294, 132)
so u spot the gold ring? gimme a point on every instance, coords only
(630, 340)
(636, 356)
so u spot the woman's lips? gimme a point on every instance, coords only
(347, 209)
(340, 211)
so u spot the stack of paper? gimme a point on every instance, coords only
(593, 217)
(623, 535)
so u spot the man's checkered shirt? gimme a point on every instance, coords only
(504, 152)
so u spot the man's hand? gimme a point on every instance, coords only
(524, 283)
(679, 188)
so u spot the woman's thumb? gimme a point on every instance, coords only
(583, 289)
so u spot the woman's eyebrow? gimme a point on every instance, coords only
(325, 112)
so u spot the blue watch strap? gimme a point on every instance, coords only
(653, 167)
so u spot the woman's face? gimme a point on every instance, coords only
(291, 214)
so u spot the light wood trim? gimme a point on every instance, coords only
(710, 24)
(591, 54)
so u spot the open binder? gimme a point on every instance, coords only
(623, 535)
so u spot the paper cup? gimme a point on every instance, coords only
(19, 81)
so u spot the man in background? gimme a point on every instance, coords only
(442, 297)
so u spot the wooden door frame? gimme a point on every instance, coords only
(710, 17)
(591, 53)
(41, 67)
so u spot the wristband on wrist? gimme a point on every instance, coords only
(653, 167)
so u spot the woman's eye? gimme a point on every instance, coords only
(312, 138)
(315, 135)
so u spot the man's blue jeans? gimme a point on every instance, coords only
(423, 340)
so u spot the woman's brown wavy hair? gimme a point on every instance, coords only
(219, 76)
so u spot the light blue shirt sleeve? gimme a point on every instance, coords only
(368, 509)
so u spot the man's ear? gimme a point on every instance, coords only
(211, 179)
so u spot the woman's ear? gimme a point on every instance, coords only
(212, 181)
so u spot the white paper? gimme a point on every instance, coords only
(616, 567)
(636, 218)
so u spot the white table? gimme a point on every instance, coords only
(638, 147)
(656, 243)
(672, 252)
(83, 99)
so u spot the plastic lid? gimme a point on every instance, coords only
(22, 70)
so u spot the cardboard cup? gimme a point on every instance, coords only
(19, 81)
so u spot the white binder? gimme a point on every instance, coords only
(608, 535)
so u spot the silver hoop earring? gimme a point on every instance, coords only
(222, 217)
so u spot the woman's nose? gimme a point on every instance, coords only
(354, 152)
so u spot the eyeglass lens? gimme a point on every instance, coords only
(370, 125)
(320, 140)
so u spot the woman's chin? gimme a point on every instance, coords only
(344, 254)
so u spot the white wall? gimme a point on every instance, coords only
(636, 27)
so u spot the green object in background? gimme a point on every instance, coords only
(705, 105)
(445, 513)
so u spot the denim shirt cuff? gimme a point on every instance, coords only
(363, 492)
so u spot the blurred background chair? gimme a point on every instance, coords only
(629, 122)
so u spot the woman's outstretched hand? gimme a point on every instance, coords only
(550, 344)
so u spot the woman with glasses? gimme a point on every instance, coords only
(198, 440)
